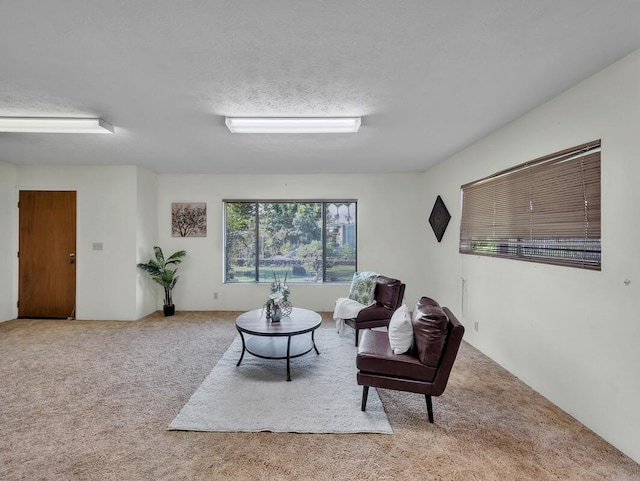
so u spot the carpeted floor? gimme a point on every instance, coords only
(91, 400)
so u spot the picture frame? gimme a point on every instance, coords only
(189, 219)
(439, 218)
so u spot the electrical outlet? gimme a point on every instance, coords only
(215, 295)
(475, 326)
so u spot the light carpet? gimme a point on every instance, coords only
(322, 397)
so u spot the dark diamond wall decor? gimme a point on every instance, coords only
(439, 218)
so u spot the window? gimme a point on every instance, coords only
(309, 241)
(546, 210)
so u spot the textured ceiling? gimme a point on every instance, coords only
(429, 77)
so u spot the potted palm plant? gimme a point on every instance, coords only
(164, 276)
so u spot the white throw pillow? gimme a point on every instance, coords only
(400, 330)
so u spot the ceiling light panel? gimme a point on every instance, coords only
(55, 125)
(293, 125)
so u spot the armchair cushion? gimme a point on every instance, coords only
(386, 292)
(374, 312)
(376, 356)
(430, 329)
(363, 286)
(401, 330)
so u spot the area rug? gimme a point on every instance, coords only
(322, 397)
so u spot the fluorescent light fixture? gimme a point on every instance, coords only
(293, 125)
(55, 125)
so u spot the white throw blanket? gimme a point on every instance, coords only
(345, 309)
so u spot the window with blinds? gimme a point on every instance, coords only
(545, 210)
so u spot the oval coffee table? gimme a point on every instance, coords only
(278, 340)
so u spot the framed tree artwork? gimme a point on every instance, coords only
(189, 219)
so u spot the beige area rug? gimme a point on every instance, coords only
(91, 400)
(323, 396)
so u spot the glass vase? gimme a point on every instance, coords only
(276, 313)
(286, 307)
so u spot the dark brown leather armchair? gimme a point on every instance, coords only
(388, 295)
(425, 368)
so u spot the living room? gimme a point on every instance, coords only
(570, 334)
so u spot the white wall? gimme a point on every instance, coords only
(128, 210)
(106, 212)
(570, 334)
(148, 294)
(8, 242)
(389, 231)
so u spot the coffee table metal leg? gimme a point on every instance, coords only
(243, 348)
(314, 342)
(288, 358)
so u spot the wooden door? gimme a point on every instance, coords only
(47, 254)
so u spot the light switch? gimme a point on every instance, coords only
(97, 246)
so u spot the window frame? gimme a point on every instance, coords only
(532, 212)
(324, 210)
